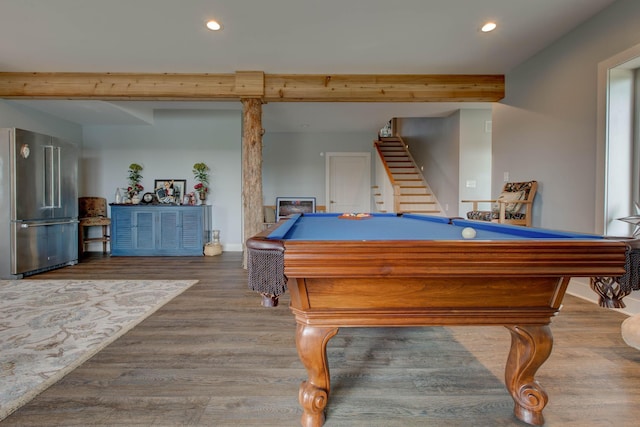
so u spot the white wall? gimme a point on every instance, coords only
(294, 163)
(545, 127)
(452, 150)
(16, 115)
(475, 158)
(434, 144)
(168, 149)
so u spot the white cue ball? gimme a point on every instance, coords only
(468, 233)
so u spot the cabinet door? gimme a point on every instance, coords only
(144, 230)
(192, 230)
(121, 229)
(131, 230)
(170, 229)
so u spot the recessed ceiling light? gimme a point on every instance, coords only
(489, 26)
(213, 25)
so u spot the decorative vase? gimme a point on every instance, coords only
(203, 197)
(135, 199)
(213, 247)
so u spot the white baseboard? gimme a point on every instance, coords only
(232, 247)
(579, 287)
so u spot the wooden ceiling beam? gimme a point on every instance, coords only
(384, 88)
(256, 84)
(121, 86)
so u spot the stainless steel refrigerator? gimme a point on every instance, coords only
(38, 203)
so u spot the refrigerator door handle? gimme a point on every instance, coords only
(42, 224)
(52, 177)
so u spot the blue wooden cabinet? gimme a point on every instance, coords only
(158, 230)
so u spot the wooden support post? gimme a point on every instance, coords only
(251, 169)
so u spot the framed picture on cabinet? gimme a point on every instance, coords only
(170, 190)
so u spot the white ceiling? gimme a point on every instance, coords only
(278, 36)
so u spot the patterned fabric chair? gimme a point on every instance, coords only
(93, 212)
(513, 206)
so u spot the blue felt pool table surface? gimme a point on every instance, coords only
(387, 226)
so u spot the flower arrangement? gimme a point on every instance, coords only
(134, 180)
(200, 188)
(201, 174)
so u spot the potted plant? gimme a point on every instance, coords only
(201, 174)
(134, 180)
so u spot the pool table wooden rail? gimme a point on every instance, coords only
(452, 258)
(517, 283)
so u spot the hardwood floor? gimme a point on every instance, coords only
(214, 357)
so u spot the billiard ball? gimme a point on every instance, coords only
(468, 233)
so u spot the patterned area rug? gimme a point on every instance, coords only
(50, 327)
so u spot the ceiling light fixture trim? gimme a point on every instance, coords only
(213, 25)
(489, 26)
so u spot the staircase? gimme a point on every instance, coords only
(402, 178)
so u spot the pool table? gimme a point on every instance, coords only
(383, 270)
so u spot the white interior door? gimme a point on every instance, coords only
(348, 182)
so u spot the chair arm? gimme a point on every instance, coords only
(475, 203)
(524, 202)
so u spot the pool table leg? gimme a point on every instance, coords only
(314, 393)
(530, 347)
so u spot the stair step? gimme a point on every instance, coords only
(413, 201)
(402, 202)
(416, 191)
(414, 196)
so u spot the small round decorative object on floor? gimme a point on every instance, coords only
(631, 331)
(468, 233)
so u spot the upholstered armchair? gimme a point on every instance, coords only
(513, 206)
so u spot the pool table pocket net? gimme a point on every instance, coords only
(266, 272)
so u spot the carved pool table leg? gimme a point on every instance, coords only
(314, 393)
(530, 347)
